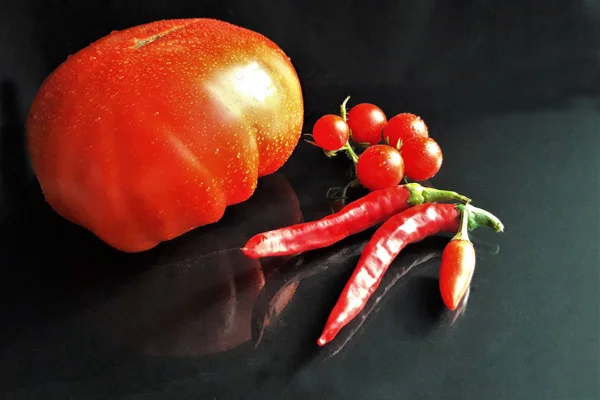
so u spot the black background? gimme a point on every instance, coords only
(510, 90)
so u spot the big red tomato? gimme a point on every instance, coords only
(152, 131)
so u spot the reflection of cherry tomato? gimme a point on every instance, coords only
(422, 158)
(330, 132)
(380, 167)
(366, 122)
(152, 131)
(403, 127)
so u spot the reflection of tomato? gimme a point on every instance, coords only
(152, 131)
(198, 292)
(275, 204)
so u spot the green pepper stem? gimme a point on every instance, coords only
(420, 194)
(478, 217)
(463, 228)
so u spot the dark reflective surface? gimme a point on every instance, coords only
(511, 93)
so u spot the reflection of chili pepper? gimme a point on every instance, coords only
(297, 269)
(420, 254)
(357, 216)
(458, 265)
(453, 315)
(412, 225)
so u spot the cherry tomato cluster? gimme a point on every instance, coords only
(391, 150)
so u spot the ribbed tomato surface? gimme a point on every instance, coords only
(152, 131)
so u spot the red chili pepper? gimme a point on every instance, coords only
(357, 216)
(409, 226)
(458, 266)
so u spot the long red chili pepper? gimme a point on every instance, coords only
(409, 226)
(357, 216)
(458, 265)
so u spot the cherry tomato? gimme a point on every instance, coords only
(422, 158)
(403, 127)
(152, 131)
(330, 132)
(380, 167)
(366, 121)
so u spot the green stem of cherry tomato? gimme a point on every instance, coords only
(351, 153)
(343, 108)
(348, 147)
(341, 193)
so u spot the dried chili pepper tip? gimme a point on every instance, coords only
(249, 252)
(333, 328)
(324, 339)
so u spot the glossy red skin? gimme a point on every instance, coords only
(422, 158)
(366, 121)
(456, 271)
(403, 127)
(355, 217)
(152, 131)
(379, 167)
(330, 132)
(412, 225)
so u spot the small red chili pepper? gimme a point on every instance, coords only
(409, 226)
(458, 265)
(372, 209)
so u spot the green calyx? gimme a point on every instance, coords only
(420, 194)
(478, 217)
